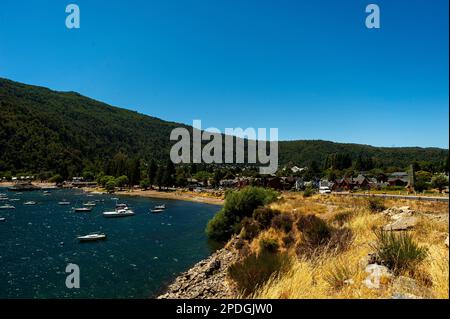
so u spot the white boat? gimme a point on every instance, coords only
(92, 237)
(2, 219)
(163, 206)
(155, 211)
(83, 209)
(3, 198)
(89, 204)
(63, 203)
(121, 206)
(30, 203)
(7, 206)
(119, 213)
(14, 199)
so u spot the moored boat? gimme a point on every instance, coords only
(92, 237)
(30, 203)
(82, 209)
(119, 213)
(7, 206)
(155, 211)
(63, 203)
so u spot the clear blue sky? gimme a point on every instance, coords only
(310, 68)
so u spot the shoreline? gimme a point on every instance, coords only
(151, 193)
(175, 195)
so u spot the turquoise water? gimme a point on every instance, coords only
(141, 254)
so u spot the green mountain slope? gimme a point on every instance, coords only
(45, 130)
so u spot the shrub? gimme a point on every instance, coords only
(255, 270)
(283, 222)
(289, 239)
(342, 217)
(268, 245)
(145, 184)
(238, 204)
(250, 228)
(399, 252)
(315, 230)
(375, 205)
(340, 239)
(56, 179)
(264, 216)
(110, 185)
(309, 191)
(219, 228)
(338, 276)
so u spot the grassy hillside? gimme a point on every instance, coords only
(45, 130)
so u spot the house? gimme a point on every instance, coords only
(350, 183)
(398, 179)
(361, 182)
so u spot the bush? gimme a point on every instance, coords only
(238, 204)
(283, 222)
(56, 179)
(255, 270)
(399, 252)
(264, 216)
(342, 217)
(375, 205)
(110, 185)
(309, 191)
(288, 240)
(145, 184)
(250, 228)
(268, 245)
(337, 277)
(340, 239)
(315, 231)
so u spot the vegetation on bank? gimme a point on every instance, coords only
(320, 247)
(238, 207)
(47, 133)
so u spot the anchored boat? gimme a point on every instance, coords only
(119, 213)
(92, 237)
(83, 209)
(7, 206)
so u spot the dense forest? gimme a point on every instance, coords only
(66, 133)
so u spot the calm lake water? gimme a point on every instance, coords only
(141, 254)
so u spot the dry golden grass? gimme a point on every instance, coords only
(312, 278)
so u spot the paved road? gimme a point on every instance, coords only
(410, 197)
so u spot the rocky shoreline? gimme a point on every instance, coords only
(207, 279)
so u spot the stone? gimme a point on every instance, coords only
(405, 286)
(403, 223)
(378, 275)
(206, 279)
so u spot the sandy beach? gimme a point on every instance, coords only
(178, 195)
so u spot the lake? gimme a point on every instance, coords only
(141, 254)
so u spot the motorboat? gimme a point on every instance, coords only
(30, 203)
(7, 206)
(2, 219)
(121, 206)
(63, 203)
(155, 211)
(119, 213)
(92, 237)
(163, 206)
(83, 209)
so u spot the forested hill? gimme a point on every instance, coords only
(45, 130)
